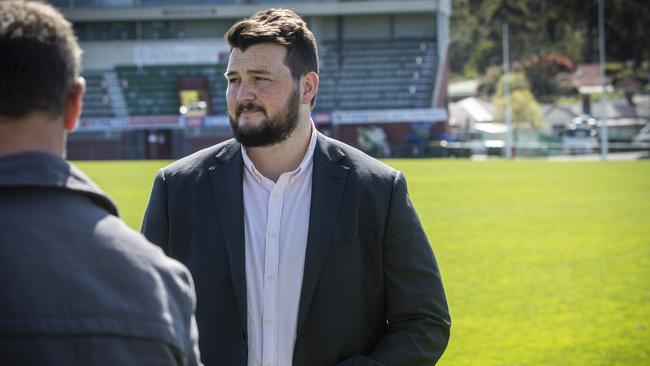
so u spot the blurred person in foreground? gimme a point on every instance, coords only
(79, 286)
(305, 251)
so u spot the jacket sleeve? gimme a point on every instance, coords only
(155, 228)
(416, 308)
(155, 225)
(194, 356)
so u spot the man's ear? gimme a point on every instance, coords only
(310, 86)
(74, 104)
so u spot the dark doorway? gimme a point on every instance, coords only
(158, 144)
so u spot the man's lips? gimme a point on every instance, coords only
(248, 110)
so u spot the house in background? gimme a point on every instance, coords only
(587, 78)
(624, 120)
(463, 89)
(466, 113)
(558, 117)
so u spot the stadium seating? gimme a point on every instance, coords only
(355, 75)
(151, 90)
(377, 74)
(97, 102)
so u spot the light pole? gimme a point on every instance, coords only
(603, 81)
(506, 91)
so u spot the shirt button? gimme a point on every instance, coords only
(269, 278)
(272, 234)
(269, 322)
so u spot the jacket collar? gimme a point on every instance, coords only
(43, 170)
(226, 176)
(329, 177)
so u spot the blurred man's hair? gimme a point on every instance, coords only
(39, 59)
(283, 27)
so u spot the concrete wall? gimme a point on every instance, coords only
(366, 26)
(415, 25)
(324, 28)
(106, 55)
(374, 26)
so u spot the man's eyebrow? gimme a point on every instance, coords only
(262, 72)
(255, 72)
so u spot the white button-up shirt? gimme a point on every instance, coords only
(276, 223)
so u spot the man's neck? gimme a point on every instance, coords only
(32, 134)
(273, 161)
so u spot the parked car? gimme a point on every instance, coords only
(579, 136)
(488, 139)
(448, 145)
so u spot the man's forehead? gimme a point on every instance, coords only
(260, 57)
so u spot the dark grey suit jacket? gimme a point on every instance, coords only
(80, 287)
(371, 293)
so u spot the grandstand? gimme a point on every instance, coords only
(154, 71)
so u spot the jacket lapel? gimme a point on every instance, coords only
(328, 183)
(227, 187)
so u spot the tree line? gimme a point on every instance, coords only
(566, 29)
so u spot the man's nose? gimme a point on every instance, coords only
(245, 92)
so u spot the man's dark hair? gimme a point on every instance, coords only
(283, 27)
(39, 59)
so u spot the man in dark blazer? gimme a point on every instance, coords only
(368, 288)
(78, 286)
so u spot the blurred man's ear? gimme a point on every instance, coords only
(74, 104)
(310, 86)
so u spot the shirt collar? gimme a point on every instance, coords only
(306, 162)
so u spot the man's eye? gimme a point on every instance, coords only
(259, 78)
(232, 81)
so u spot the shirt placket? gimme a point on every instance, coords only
(271, 267)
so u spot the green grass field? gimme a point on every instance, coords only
(544, 263)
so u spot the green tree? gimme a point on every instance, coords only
(543, 27)
(628, 31)
(519, 18)
(543, 73)
(481, 59)
(465, 26)
(489, 82)
(524, 106)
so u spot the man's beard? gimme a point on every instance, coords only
(271, 130)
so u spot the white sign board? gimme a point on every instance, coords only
(389, 116)
(173, 53)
